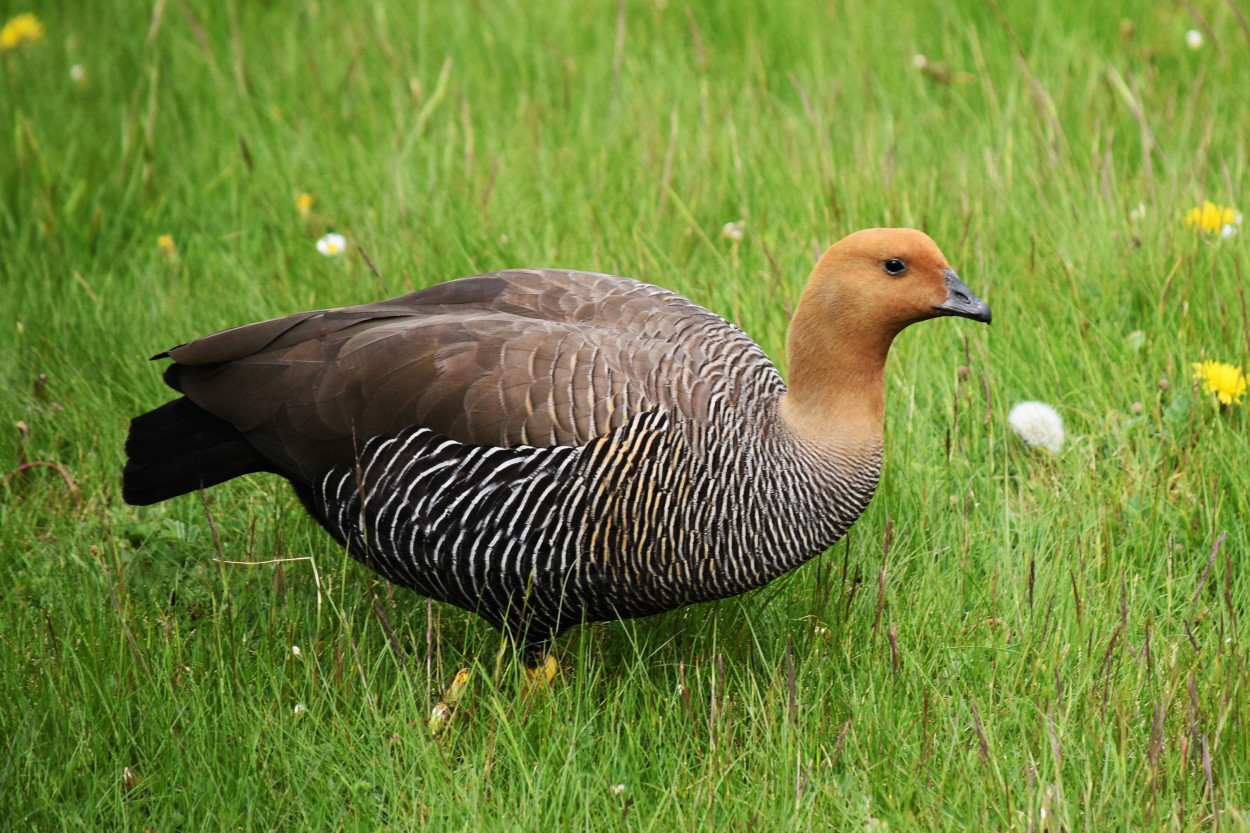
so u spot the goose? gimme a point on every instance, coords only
(546, 447)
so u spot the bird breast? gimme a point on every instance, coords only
(661, 512)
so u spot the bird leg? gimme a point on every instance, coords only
(540, 668)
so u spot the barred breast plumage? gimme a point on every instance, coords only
(546, 447)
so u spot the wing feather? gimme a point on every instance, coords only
(535, 357)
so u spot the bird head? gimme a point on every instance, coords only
(883, 279)
(864, 290)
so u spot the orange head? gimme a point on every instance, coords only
(864, 290)
(883, 279)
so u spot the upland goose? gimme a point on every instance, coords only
(546, 447)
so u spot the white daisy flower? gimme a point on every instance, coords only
(332, 244)
(1038, 425)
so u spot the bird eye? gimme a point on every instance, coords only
(894, 266)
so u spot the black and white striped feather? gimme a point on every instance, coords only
(653, 515)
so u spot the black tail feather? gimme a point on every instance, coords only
(179, 448)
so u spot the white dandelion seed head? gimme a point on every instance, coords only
(1193, 38)
(332, 245)
(1038, 425)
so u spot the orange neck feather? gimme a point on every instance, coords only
(836, 382)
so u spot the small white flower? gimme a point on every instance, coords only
(332, 244)
(77, 73)
(618, 789)
(919, 61)
(299, 709)
(733, 231)
(1229, 229)
(1138, 213)
(1194, 39)
(295, 650)
(1038, 425)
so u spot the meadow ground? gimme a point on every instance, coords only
(1049, 643)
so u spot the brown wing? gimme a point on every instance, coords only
(535, 357)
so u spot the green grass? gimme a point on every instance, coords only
(1049, 643)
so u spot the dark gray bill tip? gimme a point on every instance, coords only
(961, 301)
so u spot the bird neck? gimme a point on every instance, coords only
(836, 387)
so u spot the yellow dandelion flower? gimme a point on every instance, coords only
(304, 203)
(1226, 381)
(20, 29)
(166, 244)
(1214, 219)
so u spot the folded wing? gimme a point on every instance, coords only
(527, 357)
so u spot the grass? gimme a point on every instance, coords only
(1047, 643)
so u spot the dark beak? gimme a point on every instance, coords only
(961, 301)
